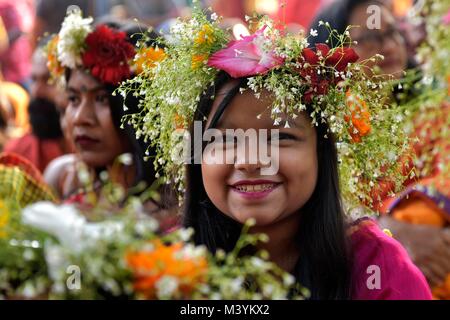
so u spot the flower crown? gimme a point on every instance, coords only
(103, 51)
(330, 81)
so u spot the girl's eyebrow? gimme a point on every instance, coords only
(227, 124)
(84, 89)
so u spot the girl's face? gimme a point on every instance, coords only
(88, 115)
(239, 190)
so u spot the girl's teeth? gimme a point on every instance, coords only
(255, 187)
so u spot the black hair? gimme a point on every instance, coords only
(44, 119)
(337, 14)
(324, 265)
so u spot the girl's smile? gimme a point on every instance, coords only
(254, 189)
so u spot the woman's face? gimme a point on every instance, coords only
(88, 116)
(385, 40)
(240, 190)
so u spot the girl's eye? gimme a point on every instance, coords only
(102, 98)
(73, 99)
(283, 136)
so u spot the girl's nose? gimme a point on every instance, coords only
(85, 114)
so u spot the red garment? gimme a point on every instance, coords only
(39, 152)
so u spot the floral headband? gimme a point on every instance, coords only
(330, 81)
(103, 51)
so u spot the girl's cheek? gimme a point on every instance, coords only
(215, 177)
(299, 167)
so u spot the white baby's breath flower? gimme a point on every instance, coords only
(258, 263)
(166, 287)
(126, 159)
(185, 234)
(313, 33)
(288, 279)
(268, 290)
(214, 16)
(236, 285)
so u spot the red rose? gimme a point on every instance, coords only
(107, 55)
(339, 60)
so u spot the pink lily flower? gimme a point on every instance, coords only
(246, 57)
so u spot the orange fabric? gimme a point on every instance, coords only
(419, 211)
(39, 152)
(442, 292)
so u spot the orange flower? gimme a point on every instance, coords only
(179, 122)
(198, 60)
(165, 260)
(148, 57)
(360, 122)
(53, 64)
(205, 36)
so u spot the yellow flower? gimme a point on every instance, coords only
(388, 232)
(205, 35)
(4, 218)
(55, 68)
(198, 60)
(148, 57)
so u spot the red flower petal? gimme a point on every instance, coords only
(108, 54)
(341, 57)
(310, 56)
(323, 48)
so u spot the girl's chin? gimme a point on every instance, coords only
(262, 217)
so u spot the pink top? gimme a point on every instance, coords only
(382, 268)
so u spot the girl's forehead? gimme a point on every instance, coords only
(245, 110)
(83, 81)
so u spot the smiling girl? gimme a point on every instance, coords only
(324, 120)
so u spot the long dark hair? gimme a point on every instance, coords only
(324, 265)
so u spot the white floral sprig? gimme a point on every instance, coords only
(72, 38)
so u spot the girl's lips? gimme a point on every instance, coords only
(85, 142)
(254, 190)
